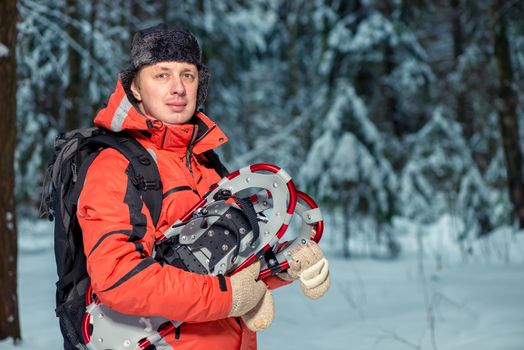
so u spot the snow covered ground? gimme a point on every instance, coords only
(408, 303)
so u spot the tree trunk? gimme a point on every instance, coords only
(391, 103)
(9, 318)
(507, 111)
(387, 108)
(93, 105)
(462, 112)
(75, 92)
(346, 253)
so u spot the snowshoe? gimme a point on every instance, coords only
(243, 218)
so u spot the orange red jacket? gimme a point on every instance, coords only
(119, 236)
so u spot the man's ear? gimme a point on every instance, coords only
(136, 91)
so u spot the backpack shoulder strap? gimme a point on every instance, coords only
(146, 176)
(144, 171)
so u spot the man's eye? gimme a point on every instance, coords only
(189, 76)
(161, 76)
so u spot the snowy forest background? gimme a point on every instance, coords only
(387, 112)
(379, 109)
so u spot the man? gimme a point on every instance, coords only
(156, 101)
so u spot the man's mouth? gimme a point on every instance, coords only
(177, 106)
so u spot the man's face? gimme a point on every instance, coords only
(167, 91)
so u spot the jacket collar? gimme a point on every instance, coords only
(201, 133)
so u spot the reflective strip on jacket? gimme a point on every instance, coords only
(119, 235)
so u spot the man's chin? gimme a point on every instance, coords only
(178, 118)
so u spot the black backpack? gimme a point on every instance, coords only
(73, 154)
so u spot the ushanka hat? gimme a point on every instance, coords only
(163, 43)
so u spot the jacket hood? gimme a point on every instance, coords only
(121, 115)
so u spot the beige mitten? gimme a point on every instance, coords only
(246, 290)
(262, 315)
(309, 264)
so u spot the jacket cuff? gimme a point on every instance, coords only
(224, 294)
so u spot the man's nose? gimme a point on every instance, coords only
(177, 86)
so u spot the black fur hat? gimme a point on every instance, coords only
(164, 43)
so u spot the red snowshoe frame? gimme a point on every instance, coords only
(274, 202)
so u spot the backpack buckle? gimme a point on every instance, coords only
(144, 185)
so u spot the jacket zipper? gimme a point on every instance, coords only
(190, 151)
(192, 143)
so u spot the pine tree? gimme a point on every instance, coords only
(346, 167)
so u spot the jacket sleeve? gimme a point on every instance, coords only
(119, 239)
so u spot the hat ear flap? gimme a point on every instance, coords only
(203, 83)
